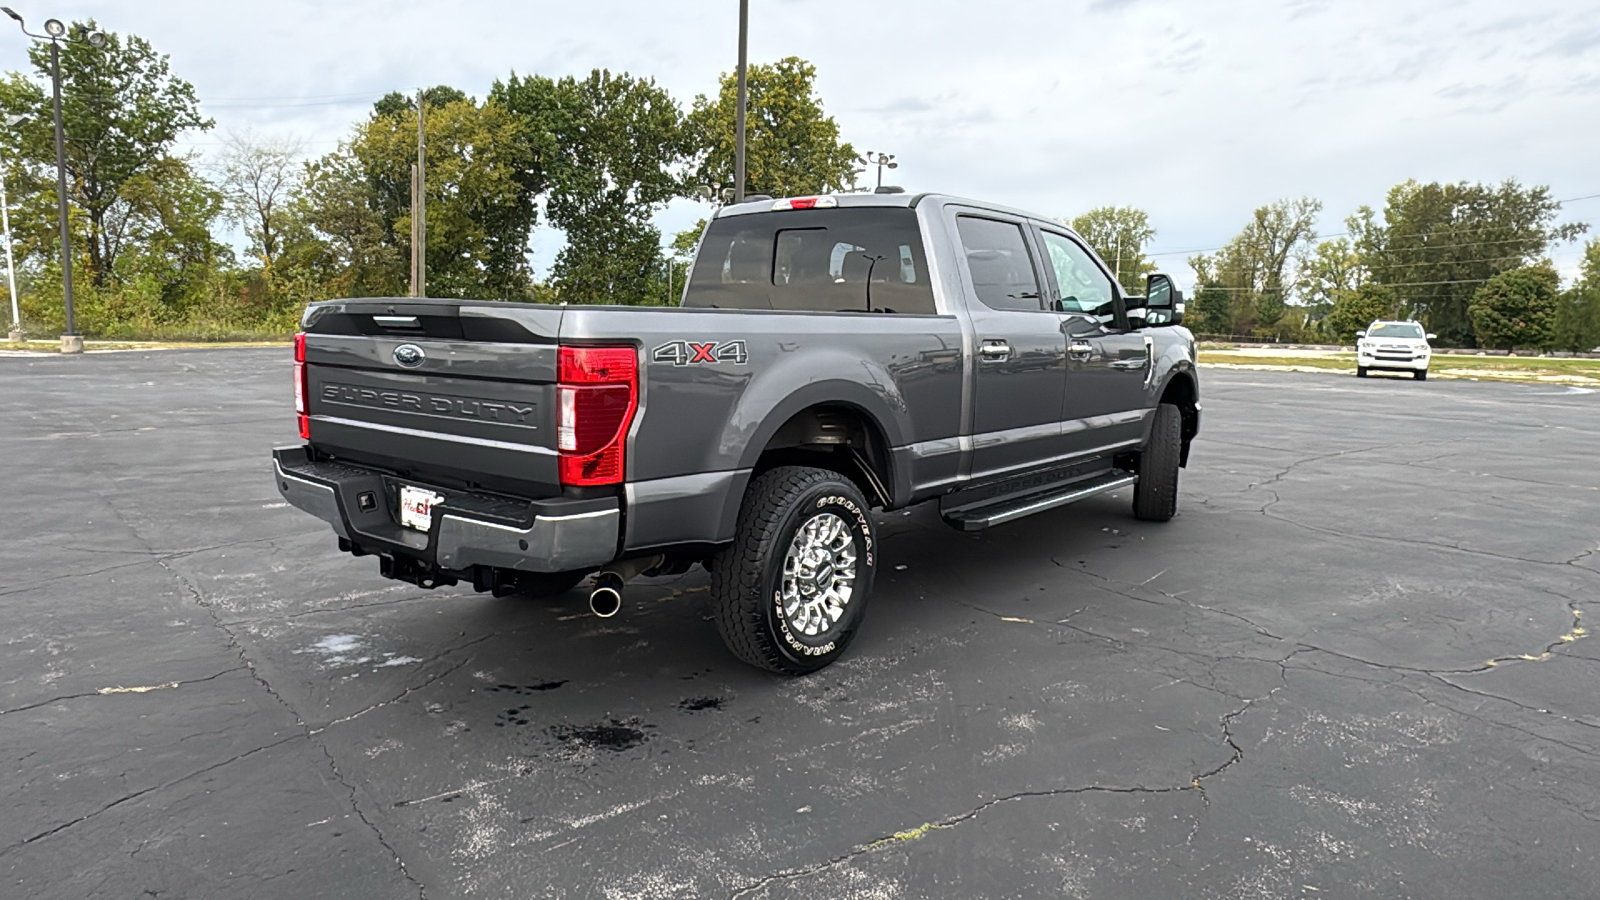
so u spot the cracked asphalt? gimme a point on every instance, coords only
(1358, 663)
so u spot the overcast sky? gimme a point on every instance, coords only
(1195, 110)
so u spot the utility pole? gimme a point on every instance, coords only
(738, 125)
(419, 208)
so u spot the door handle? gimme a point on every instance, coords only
(1080, 349)
(995, 349)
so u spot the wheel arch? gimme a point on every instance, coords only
(831, 428)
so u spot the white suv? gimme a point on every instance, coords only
(1393, 346)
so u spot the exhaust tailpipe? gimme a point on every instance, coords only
(605, 599)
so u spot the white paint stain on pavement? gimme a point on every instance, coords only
(143, 689)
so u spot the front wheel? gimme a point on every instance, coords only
(792, 589)
(1420, 375)
(1361, 371)
(1155, 496)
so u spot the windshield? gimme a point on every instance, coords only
(1395, 330)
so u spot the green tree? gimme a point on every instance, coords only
(791, 146)
(1211, 310)
(1437, 244)
(1253, 266)
(1118, 235)
(1326, 274)
(1517, 308)
(1577, 320)
(481, 205)
(122, 111)
(394, 103)
(480, 197)
(337, 232)
(1354, 309)
(610, 147)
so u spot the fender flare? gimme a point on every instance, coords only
(1185, 370)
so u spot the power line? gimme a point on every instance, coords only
(1314, 237)
(310, 96)
(363, 101)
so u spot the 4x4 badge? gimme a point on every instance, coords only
(689, 353)
(409, 355)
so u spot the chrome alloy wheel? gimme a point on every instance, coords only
(819, 573)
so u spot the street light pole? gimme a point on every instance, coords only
(882, 161)
(71, 342)
(738, 125)
(5, 223)
(11, 266)
(55, 33)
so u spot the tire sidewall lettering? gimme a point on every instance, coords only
(861, 527)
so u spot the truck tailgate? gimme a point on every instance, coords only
(447, 392)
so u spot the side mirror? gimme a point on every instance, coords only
(1432, 336)
(1361, 334)
(1163, 300)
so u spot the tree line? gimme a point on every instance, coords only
(1469, 261)
(598, 157)
(594, 156)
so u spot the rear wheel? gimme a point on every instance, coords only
(1361, 371)
(1155, 497)
(1420, 375)
(792, 589)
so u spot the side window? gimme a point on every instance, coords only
(1002, 270)
(1084, 288)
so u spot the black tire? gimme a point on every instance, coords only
(1420, 375)
(747, 577)
(536, 585)
(1361, 372)
(1155, 497)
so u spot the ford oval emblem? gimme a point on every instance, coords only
(409, 355)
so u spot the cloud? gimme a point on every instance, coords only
(1575, 43)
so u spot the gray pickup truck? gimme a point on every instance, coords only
(831, 356)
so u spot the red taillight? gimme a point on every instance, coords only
(598, 391)
(300, 409)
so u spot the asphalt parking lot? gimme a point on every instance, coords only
(1356, 664)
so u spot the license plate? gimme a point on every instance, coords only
(416, 507)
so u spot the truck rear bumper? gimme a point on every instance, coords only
(468, 529)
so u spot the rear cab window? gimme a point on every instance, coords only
(1003, 276)
(862, 259)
